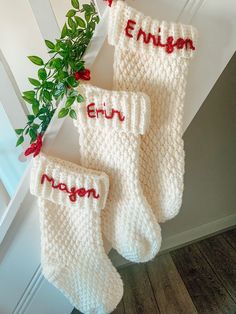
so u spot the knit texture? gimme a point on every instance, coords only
(111, 143)
(72, 254)
(153, 57)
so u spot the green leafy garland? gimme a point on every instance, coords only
(59, 76)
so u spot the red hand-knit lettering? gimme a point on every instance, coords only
(72, 192)
(155, 39)
(96, 113)
(129, 27)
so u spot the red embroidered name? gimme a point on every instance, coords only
(72, 192)
(96, 113)
(148, 38)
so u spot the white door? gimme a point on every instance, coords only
(23, 25)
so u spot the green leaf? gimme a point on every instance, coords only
(35, 107)
(62, 45)
(19, 131)
(75, 4)
(79, 66)
(47, 95)
(63, 54)
(57, 63)
(43, 110)
(80, 98)
(87, 8)
(71, 23)
(50, 64)
(71, 13)
(36, 60)
(57, 47)
(72, 81)
(73, 93)
(20, 140)
(49, 44)
(70, 101)
(29, 101)
(87, 16)
(42, 117)
(64, 31)
(29, 94)
(92, 25)
(63, 112)
(88, 37)
(30, 118)
(34, 81)
(96, 19)
(72, 65)
(73, 114)
(35, 126)
(33, 135)
(92, 6)
(42, 74)
(61, 75)
(80, 22)
(48, 85)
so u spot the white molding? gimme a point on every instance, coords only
(29, 292)
(189, 10)
(10, 95)
(14, 205)
(33, 299)
(4, 198)
(101, 6)
(99, 37)
(183, 238)
(45, 18)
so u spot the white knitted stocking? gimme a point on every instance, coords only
(109, 125)
(73, 258)
(153, 57)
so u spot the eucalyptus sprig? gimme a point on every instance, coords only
(59, 77)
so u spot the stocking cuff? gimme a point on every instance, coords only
(65, 183)
(130, 29)
(113, 110)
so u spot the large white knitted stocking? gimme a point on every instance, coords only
(72, 254)
(153, 57)
(109, 125)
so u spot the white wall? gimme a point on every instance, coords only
(19, 38)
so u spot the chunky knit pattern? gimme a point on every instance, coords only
(72, 254)
(110, 142)
(157, 66)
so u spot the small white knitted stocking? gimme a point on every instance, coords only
(153, 57)
(72, 254)
(109, 125)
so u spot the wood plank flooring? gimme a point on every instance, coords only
(198, 278)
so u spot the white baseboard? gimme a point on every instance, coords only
(184, 238)
(41, 297)
(198, 233)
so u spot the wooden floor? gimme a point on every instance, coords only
(198, 278)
